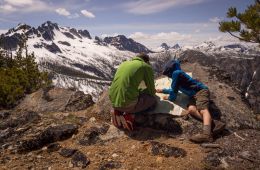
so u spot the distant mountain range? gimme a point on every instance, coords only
(71, 55)
(77, 60)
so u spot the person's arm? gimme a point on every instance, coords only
(173, 91)
(149, 80)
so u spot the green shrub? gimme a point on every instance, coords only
(19, 75)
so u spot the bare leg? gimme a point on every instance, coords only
(206, 117)
(192, 110)
(205, 136)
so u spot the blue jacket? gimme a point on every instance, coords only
(181, 81)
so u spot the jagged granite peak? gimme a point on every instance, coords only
(176, 46)
(22, 26)
(50, 25)
(47, 30)
(127, 44)
(99, 41)
(165, 46)
(84, 33)
(75, 32)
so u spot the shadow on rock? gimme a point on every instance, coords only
(164, 122)
(152, 126)
(214, 110)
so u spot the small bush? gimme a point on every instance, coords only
(19, 75)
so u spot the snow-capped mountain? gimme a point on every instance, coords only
(72, 56)
(165, 47)
(236, 48)
(126, 44)
(176, 46)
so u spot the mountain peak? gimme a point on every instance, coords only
(22, 26)
(50, 24)
(121, 42)
(165, 46)
(176, 46)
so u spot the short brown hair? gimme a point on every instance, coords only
(144, 56)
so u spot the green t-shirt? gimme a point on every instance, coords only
(125, 86)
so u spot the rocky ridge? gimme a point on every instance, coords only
(240, 71)
(64, 129)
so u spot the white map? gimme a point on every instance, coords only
(165, 106)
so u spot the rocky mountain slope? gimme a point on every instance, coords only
(72, 56)
(56, 128)
(239, 70)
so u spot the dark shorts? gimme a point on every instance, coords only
(200, 99)
(145, 101)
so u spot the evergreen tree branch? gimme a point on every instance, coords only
(240, 38)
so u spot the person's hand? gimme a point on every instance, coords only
(127, 121)
(165, 97)
(159, 90)
(123, 120)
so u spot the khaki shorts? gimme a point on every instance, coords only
(200, 99)
(145, 101)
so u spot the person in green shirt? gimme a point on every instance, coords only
(125, 94)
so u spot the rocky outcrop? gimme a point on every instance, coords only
(165, 150)
(99, 41)
(64, 130)
(241, 71)
(50, 135)
(10, 42)
(84, 33)
(75, 32)
(53, 48)
(55, 99)
(26, 118)
(64, 43)
(79, 101)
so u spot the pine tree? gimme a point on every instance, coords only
(244, 26)
(19, 75)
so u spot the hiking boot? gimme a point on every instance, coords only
(201, 138)
(217, 127)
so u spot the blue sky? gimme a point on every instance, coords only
(150, 22)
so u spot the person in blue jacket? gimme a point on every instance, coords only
(199, 99)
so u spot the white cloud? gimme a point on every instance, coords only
(19, 2)
(7, 8)
(23, 6)
(144, 7)
(62, 11)
(215, 19)
(154, 40)
(87, 14)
